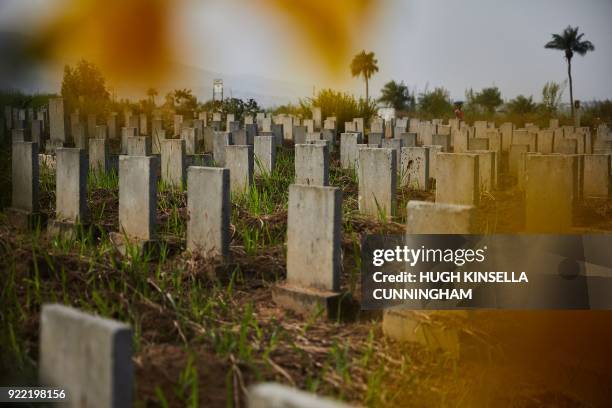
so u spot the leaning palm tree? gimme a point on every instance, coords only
(570, 42)
(364, 64)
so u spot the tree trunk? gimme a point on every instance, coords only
(367, 92)
(569, 74)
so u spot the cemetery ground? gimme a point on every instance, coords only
(204, 331)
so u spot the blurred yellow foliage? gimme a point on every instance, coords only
(133, 39)
(329, 26)
(128, 39)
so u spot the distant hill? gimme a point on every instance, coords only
(267, 92)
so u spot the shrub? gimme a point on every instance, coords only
(342, 105)
(435, 104)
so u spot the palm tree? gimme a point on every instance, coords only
(396, 95)
(152, 93)
(570, 42)
(364, 64)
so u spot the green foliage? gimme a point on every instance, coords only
(84, 88)
(182, 102)
(342, 105)
(522, 105)
(489, 99)
(240, 108)
(265, 198)
(552, 92)
(396, 95)
(152, 93)
(597, 112)
(187, 387)
(291, 109)
(18, 99)
(435, 104)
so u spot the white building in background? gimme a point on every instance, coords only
(386, 113)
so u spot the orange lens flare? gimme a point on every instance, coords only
(134, 41)
(127, 39)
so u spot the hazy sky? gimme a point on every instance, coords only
(455, 44)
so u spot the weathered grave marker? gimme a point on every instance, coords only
(514, 158)
(377, 174)
(265, 154)
(251, 133)
(79, 136)
(348, 149)
(522, 169)
(415, 167)
(442, 140)
(396, 146)
(330, 136)
(209, 210)
(113, 125)
(137, 203)
(506, 129)
(139, 146)
(478, 143)
(432, 154)
(98, 155)
(158, 136)
(91, 125)
(313, 251)
(173, 163)
(143, 124)
(88, 356)
(408, 139)
(525, 137)
(457, 178)
(36, 132)
(312, 137)
(178, 124)
(101, 132)
(70, 191)
(220, 141)
(299, 134)
(190, 135)
(125, 133)
(545, 141)
(566, 146)
(25, 178)
(375, 139)
(596, 178)
(549, 193)
(487, 169)
(312, 164)
(57, 123)
(425, 217)
(278, 132)
(20, 135)
(239, 160)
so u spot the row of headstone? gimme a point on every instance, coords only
(137, 184)
(20, 118)
(415, 169)
(462, 177)
(459, 179)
